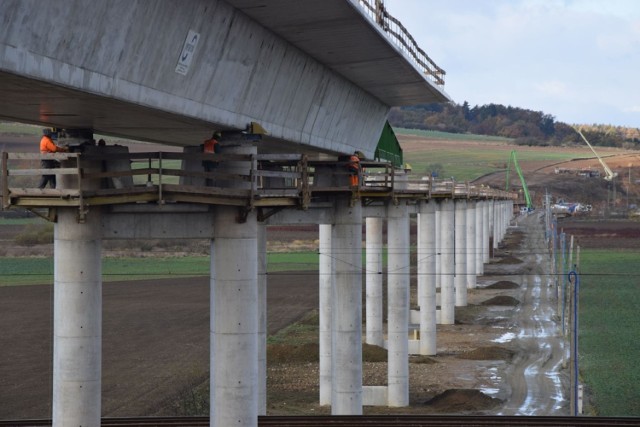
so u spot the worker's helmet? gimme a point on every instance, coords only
(46, 131)
(217, 135)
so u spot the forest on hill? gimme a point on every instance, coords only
(526, 127)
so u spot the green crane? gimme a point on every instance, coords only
(514, 159)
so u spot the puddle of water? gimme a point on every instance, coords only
(508, 337)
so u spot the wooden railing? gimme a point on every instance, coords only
(163, 177)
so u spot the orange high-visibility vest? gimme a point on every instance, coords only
(48, 146)
(211, 146)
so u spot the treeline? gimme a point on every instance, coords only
(526, 127)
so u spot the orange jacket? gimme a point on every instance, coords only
(211, 146)
(48, 146)
(354, 164)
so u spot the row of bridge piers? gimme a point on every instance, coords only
(454, 238)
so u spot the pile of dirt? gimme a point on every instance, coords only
(286, 353)
(310, 352)
(502, 300)
(488, 353)
(503, 284)
(508, 260)
(457, 401)
(422, 360)
(373, 353)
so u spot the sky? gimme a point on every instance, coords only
(577, 60)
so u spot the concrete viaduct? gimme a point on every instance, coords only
(320, 77)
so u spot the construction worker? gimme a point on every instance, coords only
(48, 146)
(354, 169)
(211, 146)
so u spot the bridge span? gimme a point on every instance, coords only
(318, 76)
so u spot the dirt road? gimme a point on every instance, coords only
(536, 379)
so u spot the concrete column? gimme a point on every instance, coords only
(447, 299)
(77, 319)
(77, 306)
(471, 243)
(234, 309)
(460, 253)
(374, 310)
(485, 232)
(438, 217)
(492, 226)
(398, 275)
(262, 318)
(326, 285)
(346, 310)
(427, 276)
(479, 238)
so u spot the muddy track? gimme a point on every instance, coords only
(537, 381)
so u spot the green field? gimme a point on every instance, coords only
(609, 325)
(31, 271)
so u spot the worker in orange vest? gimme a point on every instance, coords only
(354, 169)
(48, 146)
(211, 146)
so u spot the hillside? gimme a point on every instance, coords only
(485, 160)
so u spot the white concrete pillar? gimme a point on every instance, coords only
(262, 318)
(447, 299)
(485, 232)
(427, 276)
(398, 275)
(234, 310)
(346, 310)
(374, 312)
(460, 253)
(326, 283)
(438, 216)
(471, 242)
(479, 238)
(77, 319)
(492, 226)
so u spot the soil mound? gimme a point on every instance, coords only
(286, 353)
(488, 353)
(310, 352)
(509, 260)
(462, 400)
(373, 353)
(422, 359)
(503, 284)
(502, 300)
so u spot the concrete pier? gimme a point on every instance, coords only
(471, 241)
(77, 319)
(479, 238)
(485, 231)
(326, 287)
(374, 312)
(346, 310)
(447, 298)
(398, 273)
(262, 318)
(460, 281)
(234, 311)
(427, 276)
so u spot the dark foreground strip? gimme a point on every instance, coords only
(363, 421)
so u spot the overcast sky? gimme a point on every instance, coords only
(578, 60)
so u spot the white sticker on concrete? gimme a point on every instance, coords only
(188, 50)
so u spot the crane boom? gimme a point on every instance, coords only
(513, 159)
(609, 173)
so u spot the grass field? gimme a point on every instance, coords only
(609, 327)
(31, 271)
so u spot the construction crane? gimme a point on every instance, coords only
(609, 173)
(514, 159)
